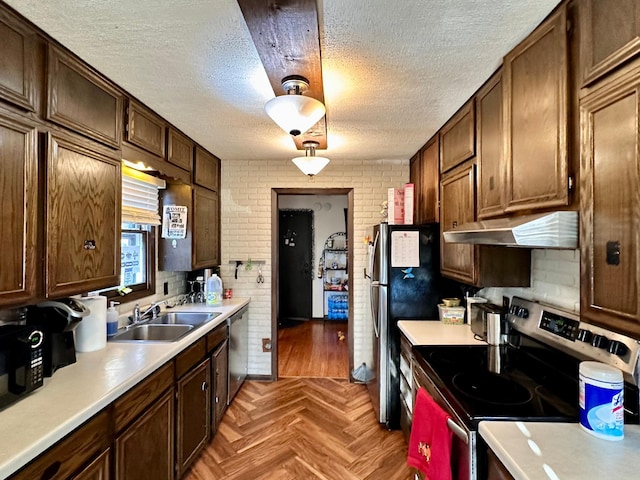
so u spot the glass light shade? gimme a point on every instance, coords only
(310, 165)
(295, 114)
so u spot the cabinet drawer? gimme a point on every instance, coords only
(71, 453)
(80, 100)
(145, 129)
(132, 404)
(216, 337)
(190, 357)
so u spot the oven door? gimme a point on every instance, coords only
(463, 444)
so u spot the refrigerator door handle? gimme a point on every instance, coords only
(374, 312)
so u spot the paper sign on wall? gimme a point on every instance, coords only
(174, 221)
(405, 249)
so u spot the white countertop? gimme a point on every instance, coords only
(434, 332)
(77, 392)
(564, 451)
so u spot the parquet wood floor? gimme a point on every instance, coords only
(302, 428)
(313, 349)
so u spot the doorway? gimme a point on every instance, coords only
(319, 333)
(295, 248)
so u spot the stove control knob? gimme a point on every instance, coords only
(585, 335)
(617, 348)
(523, 312)
(600, 341)
(513, 310)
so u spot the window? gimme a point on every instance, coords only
(140, 216)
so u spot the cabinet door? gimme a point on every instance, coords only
(609, 36)
(179, 150)
(145, 449)
(490, 148)
(96, 470)
(415, 177)
(206, 228)
(458, 207)
(429, 208)
(193, 421)
(536, 118)
(220, 368)
(18, 196)
(81, 100)
(145, 129)
(17, 75)
(495, 468)
(207, 170)
(458, 138)
(609, 240)
(83, 199)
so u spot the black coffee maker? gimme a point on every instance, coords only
(57, 319)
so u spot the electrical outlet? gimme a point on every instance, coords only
(166, 288)
(266, 344)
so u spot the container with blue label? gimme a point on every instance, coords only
(602, 400)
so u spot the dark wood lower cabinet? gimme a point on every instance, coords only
(495, 469)
(96, 470)
(220, 371)
(193, 410)
(145, 449)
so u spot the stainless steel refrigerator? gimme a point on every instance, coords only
(405, 284)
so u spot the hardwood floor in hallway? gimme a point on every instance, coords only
(313, 349)
(302, 428)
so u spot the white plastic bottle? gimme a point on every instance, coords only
(214, 290)
(112, 319)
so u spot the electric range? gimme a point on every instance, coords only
(532, 375)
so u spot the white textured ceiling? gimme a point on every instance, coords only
(394, 71)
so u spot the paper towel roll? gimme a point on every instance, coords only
(91, 332)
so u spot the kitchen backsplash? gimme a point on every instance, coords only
(555, 279)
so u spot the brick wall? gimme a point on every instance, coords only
(555, 279)
(246, 233)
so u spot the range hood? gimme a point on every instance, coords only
(544, 230)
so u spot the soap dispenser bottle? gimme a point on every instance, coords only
(112, 319)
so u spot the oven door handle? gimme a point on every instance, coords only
(458, 431)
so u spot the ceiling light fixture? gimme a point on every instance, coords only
(310, 164)
(294, 112)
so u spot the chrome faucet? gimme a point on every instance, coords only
(137, 316)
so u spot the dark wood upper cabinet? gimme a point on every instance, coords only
(179, 150)
(17, 62)
(206, 228)
(415, 178)
(535, 76)
(458, 138)
(609, 36)
(458, 207)
(429, 209)
(79, 99)
(145, 129)
(610, 204)
(207, 170)
(18, 197)
(478, 265)
(490, 138)
(82, 215)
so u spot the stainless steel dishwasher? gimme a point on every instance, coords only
(238, 351)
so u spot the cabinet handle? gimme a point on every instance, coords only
(89, 244)
(454, 224)
(204, 386)
(51, 470)
(217, 399)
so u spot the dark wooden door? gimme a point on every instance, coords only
(294, 259)
(609, 220)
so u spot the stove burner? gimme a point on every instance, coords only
(490, 388)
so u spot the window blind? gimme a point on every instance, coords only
(140, 200)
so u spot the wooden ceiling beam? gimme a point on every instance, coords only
(286, 36)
